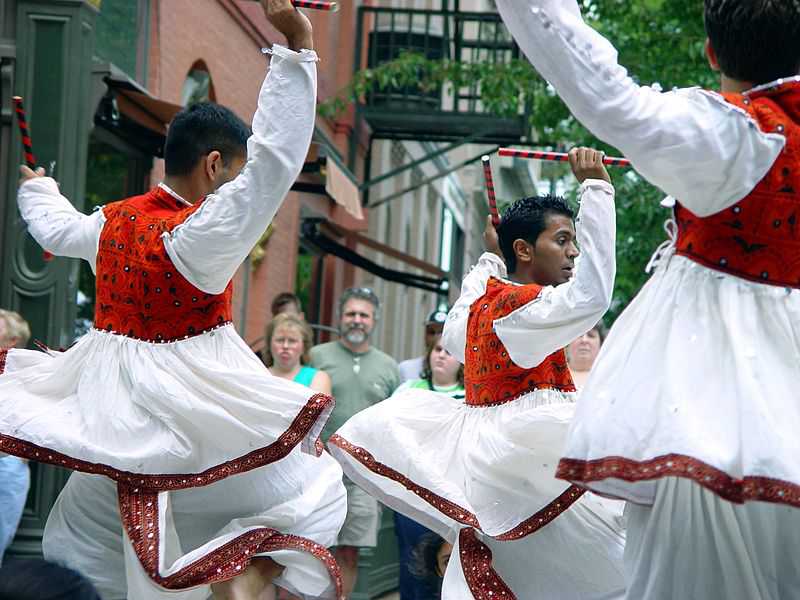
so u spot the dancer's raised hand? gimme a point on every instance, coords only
(587, 163)
(293, 24)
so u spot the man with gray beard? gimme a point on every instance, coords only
(361, 376)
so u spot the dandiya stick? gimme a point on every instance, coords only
(559, 156)
(22, 121)
(27, 145)
(316, 4)
(487, 174)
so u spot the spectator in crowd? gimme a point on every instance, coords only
(443, 374)
(288, 342)
(582, 352)
(286, 302)
(14, 330)
(428, 563)
(37, 579)
(14, 473)
(434, 324)
(361, 376)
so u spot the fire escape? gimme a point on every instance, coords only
(442, 119)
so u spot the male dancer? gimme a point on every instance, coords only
(191, 471)
(691, 411)
(480, 471)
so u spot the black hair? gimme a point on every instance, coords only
(526, 219)
(38, 579)
(423, 563)
(200, 129)
(757, 41)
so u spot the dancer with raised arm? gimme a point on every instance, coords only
(197, 471)
(480, 471)
(691, 410)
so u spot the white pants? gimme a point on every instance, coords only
(693, 545)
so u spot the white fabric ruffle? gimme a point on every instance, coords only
(139, 407)
(448, 465)
(699, 377)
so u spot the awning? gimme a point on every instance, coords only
(320, 234)
(129, 111)
(343, 189)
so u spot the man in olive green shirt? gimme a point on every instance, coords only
(361, 376)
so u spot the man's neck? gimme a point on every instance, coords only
(185, 188)
(521, 277)
(734, 86)
(359, 349)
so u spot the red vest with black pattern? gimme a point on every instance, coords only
(490, 376)
(758, 238)
(140, 294)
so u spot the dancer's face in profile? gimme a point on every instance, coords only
(358, 320)
(551, 261)
(223, 172)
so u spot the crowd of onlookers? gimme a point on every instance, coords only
(358, 375)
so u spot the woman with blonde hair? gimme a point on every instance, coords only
(289, 338)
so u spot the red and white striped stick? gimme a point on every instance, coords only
(559, 156)
(27, 146)
(316, 4)
(487, 174)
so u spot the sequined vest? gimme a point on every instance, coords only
(490, 376)
(140, 294)
(758, 238)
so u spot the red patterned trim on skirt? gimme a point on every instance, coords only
(280, 448)
(749, 488)
(139, 512)
(476, 564)
(3, 356)
(452, 510)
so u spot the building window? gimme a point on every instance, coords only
(197, 87)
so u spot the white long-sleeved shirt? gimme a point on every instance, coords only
(558, 314)
(690, 142)
(211, 244)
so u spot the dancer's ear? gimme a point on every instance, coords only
(711, 54)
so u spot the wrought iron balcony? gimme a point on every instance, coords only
(445, 113)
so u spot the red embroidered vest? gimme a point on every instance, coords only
(140, 294)
(490, 376)
(758, 238)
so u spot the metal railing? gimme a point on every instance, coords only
(383, 34)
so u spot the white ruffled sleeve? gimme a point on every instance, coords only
(211, 244)
(691, 143)
(454, 335)
(56, 225)
(560, 314)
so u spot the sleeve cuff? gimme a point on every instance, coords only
(290, 55)
(597, 184)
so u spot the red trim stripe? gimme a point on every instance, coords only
(747, 489)
(476, 563)
(453, 511)
(139, 512)
(280, 448)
